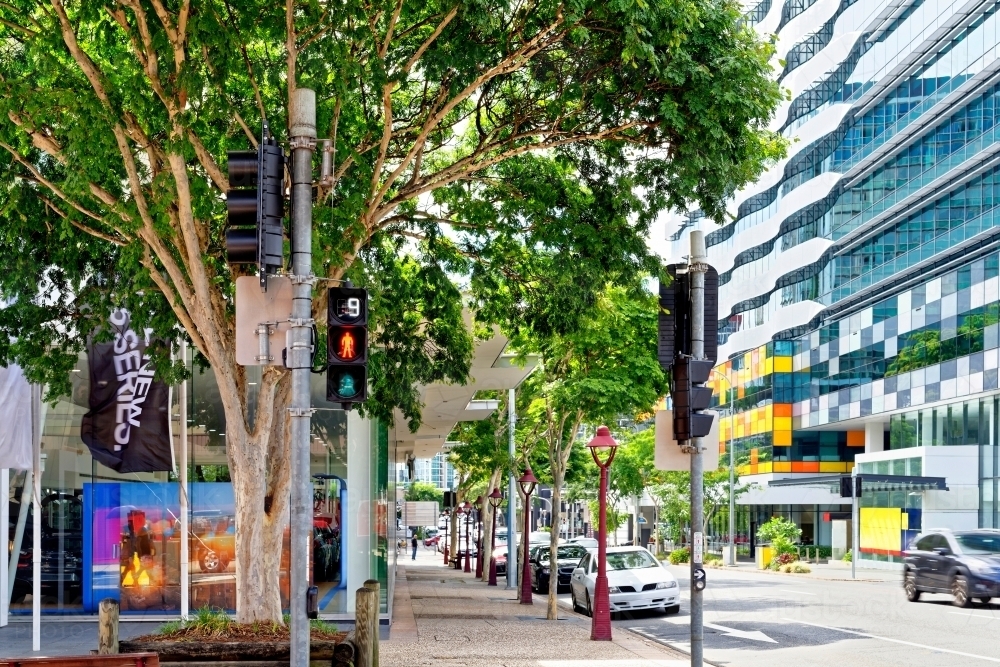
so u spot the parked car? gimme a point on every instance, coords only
(586, 542)
(567, 559)
(636, 580)
(965, 565)
(62, 548)
(432, 540)
(501, 557)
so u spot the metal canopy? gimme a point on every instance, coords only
(870, 482)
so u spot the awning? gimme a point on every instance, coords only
(869, 482)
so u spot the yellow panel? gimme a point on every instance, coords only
(768, 423)
(782, 466)
(743, 470)
(880, 528)
(782, 364)
(904, 521)
(759, 426)
(769, 366)
(782, 423)
(782, 439)
(764, 468)
(831, 466)
(769, 410)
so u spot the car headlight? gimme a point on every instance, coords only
(545, 570)
(666, 584)
(613, 589)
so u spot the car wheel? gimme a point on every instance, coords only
(210, 562)
(590, 609)
(676, 609)
(910, 586)
(960, 591)
(984, 600)
(572, 598)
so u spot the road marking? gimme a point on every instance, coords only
(788, 590)
(895, 641)
(755, 635)
(991, 617)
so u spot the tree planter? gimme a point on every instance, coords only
(190, 652)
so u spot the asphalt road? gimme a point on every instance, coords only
(771, 620)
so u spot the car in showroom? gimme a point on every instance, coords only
(568, 556)
(962, 564)
(636, 581)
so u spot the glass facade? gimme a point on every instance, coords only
(106, 534)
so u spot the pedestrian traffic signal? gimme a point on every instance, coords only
(691, 398)
(255, 203)
(347, 346)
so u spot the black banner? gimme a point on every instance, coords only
(128, 425)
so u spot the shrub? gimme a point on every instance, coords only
(847, 557)
(678, 556)
(779, 527)
(782, 546)
(800, 568)
(708, 557)
(780, 560)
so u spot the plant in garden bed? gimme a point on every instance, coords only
(678, 556)
(215, 625)
(848, 557)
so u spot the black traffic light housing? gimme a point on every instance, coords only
(347, 346)
(690, 398)
(256, 207)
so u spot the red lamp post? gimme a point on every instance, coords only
(527, 482)
(495, 499)
(480, 501)
(467, 507)
(602, 448)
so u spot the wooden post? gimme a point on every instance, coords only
(107, 627)
(366, 604)
(374, 586)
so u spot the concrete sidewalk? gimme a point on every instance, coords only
(444, 617)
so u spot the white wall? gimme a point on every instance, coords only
(360, 441)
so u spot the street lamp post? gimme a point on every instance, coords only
(495, 499)
(447, 524)
(527, 483)
(468, 514)
(480, 503)
(600, 618)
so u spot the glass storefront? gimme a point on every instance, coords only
(106, 534)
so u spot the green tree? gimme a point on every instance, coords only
(606, 368)
(520, 148)
(424, 491)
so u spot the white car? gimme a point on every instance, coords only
(585, 542)
(636, 580)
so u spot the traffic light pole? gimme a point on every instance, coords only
(697, 267)
(302, 135)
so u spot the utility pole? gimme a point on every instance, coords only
(511, 495)
(302, 136)
(697, 267)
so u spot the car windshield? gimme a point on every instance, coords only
(979, 543)
(571, 552)
(630, 560)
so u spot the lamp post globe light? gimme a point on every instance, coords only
(602, 448)
(468, 513)
(527, 482)
(480, 503)
(495, 498)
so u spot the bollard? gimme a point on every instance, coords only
(373, 585)
(366, 603)
(107, 627)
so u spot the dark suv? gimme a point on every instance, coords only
(964, 564)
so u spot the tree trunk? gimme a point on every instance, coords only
(552, 610)
(261, 477)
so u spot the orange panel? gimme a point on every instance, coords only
(782, 466)
(753, 456)
(805, 466)
(782, 439)
(855, 438)
(753, 469)
(782, 409)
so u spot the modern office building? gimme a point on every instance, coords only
(859, 295)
